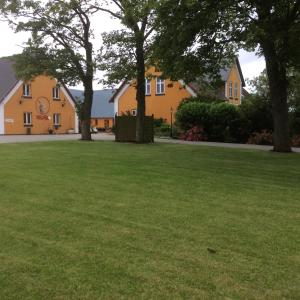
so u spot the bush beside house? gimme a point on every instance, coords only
(220, 122)
(250, 122)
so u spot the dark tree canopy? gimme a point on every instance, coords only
(197, 35)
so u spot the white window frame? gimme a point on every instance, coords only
(160, 86)
(26, 90)
(27, 118)
(134, 112)
(56, 119)
(230, 89)
(236, 90)
(148, 86)
(55, 93)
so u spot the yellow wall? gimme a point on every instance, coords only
(99, 122)
(158, 105)
(234, 78)
(41, 86)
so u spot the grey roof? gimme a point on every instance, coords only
(224, 73)
(8, 78)
(101, 107)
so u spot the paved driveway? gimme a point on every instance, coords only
(55, 137)
(110, 137)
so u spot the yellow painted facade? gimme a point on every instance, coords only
(162, 106)
(102, 123)
(158, 105)
(47, 113)
(234, 82)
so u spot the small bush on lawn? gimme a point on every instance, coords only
(265, 137)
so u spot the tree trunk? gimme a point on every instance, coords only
(278, 84)
(86, 111)
(88, 88)
(140, 93)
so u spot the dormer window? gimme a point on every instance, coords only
(26, 90)
(148, 87)
(160, 86)
(55, 93)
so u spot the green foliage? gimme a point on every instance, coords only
(118, 56)
(193, 114)
(60, 44)
(257, 112)
(199, 46)
(207, 33)
(220, 121)
(201, 98)
(158, 122)
(161, 128)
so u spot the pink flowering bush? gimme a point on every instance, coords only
(195, 134)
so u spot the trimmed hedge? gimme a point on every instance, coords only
(221, 122)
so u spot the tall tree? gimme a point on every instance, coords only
(60, 46)
(271, 26)
(126, 51)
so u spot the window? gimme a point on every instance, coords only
(96, 122)
(160, 86)
(235, 90)
(26, 90)
(230, 89)
(55, 93)
(106, 124)
(56, 119)
(148, 87)
(27, 118)
(133, 112)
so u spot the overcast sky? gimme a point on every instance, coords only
(11, 43)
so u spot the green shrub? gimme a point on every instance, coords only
(202, 99)
(158, 122)
(256, 110)
(193, 114)
(165, 128)
(220, 121)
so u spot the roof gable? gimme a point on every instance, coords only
(101, 107)
(8, 77)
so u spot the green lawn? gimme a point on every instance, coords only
(116, 221)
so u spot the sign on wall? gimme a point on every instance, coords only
(9, 120)
(42, 105)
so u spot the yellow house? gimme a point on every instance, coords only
(163, 95)
(40, 106)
